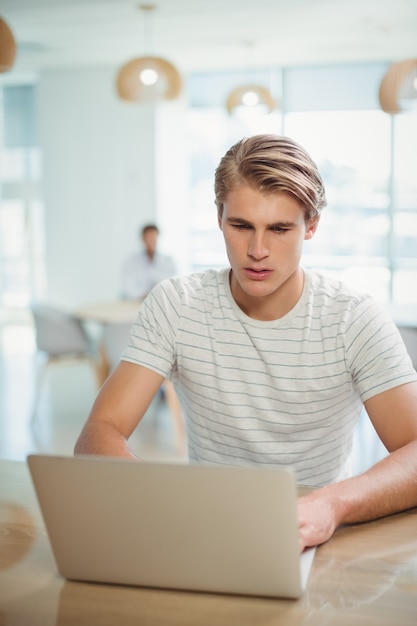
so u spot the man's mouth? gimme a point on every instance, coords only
(257, 273)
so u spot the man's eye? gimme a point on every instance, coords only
(241, 226)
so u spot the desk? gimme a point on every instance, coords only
(365, 575)
(110, 311)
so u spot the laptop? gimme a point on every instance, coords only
(202, 528)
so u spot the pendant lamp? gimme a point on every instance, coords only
(398, 88)
(250, 96)
(7, 47)
(148, 78)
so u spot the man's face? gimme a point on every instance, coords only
(150, 239)
(264, 235)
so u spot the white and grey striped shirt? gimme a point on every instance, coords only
(287, 392)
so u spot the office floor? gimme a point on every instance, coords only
(66, 398)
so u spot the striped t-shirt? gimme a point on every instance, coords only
(287, 392)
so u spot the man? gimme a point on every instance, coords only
(143, 270)
(272, 363)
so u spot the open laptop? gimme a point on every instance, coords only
(191, 527)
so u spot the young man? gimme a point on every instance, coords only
(272, 363)
(146, 268)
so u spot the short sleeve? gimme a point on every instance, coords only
(375, 352)
(152, 341)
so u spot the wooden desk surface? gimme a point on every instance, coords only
(365, 575)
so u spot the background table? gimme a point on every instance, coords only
(105, 316)
(110, 311)
(365, 575)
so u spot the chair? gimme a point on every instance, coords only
(114, 339)
(59, 336)
(409, 335)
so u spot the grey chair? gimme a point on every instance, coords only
(409, 335)
(59, 336)
(114, 339)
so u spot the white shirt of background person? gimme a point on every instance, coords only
(144, 269)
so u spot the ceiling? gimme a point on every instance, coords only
(209, 34)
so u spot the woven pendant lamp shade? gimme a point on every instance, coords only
(7, 47)
(250, 95)
(398, 88)
(148, 78)
(132, 85)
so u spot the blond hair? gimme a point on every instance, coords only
(271, 164)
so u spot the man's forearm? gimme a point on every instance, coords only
(387, 487)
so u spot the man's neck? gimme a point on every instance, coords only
(271, 307)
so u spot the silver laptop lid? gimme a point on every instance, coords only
(195, 527)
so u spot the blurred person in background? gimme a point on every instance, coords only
(147, 267)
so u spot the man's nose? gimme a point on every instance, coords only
(258, 248)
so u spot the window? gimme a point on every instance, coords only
(403, 242)
(21, 208)
(351, 149)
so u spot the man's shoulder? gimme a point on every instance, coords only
(199, 282)
(328, 287)
(193, 293)
(330, 296)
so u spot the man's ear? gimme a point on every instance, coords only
(312, 226)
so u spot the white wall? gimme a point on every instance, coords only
(173, 183)
(99, 182)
